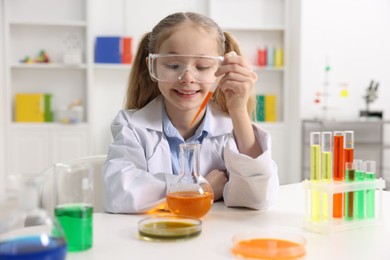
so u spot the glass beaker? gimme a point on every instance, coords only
(73, 185)
(191, 194)
(27, 231)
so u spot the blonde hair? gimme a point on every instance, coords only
(142, 89)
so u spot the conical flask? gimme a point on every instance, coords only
(27, 231)
(191, 194)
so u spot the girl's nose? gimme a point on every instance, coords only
(186, 77)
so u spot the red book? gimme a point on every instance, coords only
(261, 57)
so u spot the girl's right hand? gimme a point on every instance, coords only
(237, 83)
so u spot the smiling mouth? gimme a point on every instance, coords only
(187, 92)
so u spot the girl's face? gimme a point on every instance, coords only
(185, 94)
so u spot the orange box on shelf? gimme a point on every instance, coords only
(127, 56)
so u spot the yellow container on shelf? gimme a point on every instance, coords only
(29, 107)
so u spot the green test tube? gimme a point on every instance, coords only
(315, 174)
(326, 169)
(369, 167)
(350, 170)
(359, 195)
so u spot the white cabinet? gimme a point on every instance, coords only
(27, 151)
(30, 149)
(57, 27)
(67, 144)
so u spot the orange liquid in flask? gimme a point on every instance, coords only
(190, 203)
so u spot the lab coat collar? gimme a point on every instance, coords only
(150, 117)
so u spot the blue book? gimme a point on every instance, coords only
(108, 49)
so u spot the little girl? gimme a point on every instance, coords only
(175, 67)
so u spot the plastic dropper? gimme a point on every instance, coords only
(208, 96)
(204, 102)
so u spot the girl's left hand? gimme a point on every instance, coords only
(217, 179)
(237, 83)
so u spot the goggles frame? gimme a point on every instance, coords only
(153, 56)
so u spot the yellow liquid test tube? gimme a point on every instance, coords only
(326, 170)
(315, 174)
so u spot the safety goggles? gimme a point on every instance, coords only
(172, 68)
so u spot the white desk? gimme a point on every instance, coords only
(115, 236)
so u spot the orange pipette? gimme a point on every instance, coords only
(202, 106)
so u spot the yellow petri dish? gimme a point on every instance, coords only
(269, 244)
(169, 228)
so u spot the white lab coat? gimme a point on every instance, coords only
(138, 167)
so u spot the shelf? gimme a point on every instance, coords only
(48, 23)
(110, 66)
(53, 125)
(276, 124)
(257, 68)
(48, 66)
(57, 27)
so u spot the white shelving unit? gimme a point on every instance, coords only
(102, 66)
(256, 24)
(28, 29)
(46, 66)
(261, 23)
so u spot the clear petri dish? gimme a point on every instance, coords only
(269, 244)
(169, 228)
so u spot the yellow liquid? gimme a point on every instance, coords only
(315, 176)
(326, 170)
(315, 162)
(315, 205)
(165, 230)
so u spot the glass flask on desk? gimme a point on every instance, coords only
(191, 194)
(27, 231)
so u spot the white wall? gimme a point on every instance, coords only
(294, 145)
(354, 36)
(138, 17)
(2, 107)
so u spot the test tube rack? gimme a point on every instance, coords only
(327, 223)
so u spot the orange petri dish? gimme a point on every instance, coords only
(269, 244)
